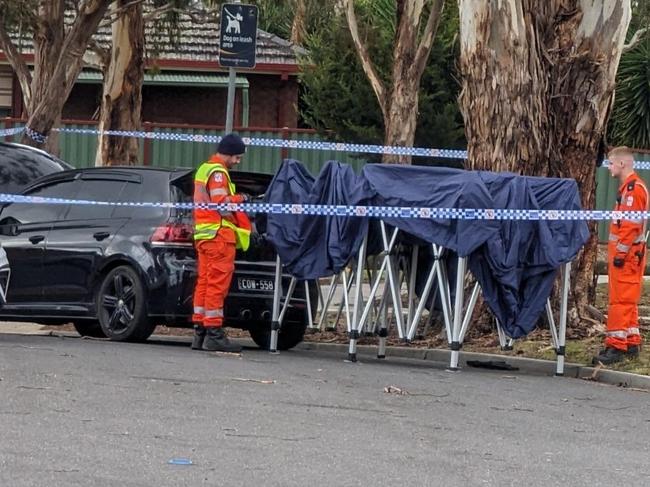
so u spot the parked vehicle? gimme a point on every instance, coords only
(21, 165)
(118, 271)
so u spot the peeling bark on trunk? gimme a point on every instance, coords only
(122, 90)
(48, 42)
(538, 83)
(399, 103)
(298, 28)
(57, 62)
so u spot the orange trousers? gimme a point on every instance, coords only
(625, 284)
(216, 265)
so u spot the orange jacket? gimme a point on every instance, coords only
(626, 232)
(218, 189)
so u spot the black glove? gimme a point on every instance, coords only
(257, 239)
(245, 197)
(619, 261)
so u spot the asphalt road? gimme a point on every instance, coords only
(86, 413)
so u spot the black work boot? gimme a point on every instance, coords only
(609, 356)
(217, 341)
(632, 351)
(199, 336)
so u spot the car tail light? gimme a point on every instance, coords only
(173, 233)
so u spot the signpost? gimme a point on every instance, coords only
(237, 46)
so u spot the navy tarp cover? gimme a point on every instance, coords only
(312, 247)
(515, 262)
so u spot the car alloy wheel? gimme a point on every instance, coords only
(122, 307)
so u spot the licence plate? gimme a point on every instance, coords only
(250, 284)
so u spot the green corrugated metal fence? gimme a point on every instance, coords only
(168, 153)
(79, 149)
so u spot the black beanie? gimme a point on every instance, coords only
(231, 145)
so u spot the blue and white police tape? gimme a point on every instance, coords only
(284, 143)
(11, 131)
(301, 144)
(359, 211)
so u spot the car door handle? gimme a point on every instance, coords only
(100, 235)
(36, 238)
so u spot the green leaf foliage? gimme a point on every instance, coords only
(631, 119)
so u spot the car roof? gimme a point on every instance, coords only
(174, 174)
(14, 145)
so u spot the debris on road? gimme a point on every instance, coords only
(180, 461)
(395, 390)
(258, 381)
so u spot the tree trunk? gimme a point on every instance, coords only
(410, 54)
(402, 117)
(122, 90)
(538, 81)
(58, 61)
(298, 27)
(48, 41)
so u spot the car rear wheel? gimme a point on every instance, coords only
(121, 306)
(290, 335)
(89, 328)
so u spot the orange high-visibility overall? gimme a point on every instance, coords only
(627, 242)
(217, 235)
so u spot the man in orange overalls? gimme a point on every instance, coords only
(217, 234)
(625, 261)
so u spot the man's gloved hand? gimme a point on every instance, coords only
(246, 198)
(257, 239)
(619, 261)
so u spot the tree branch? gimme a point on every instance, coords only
(200, 16)
(119, 11)
(426, 43)
(17, 63)
(636, 39)
(97, 56)
(77, 40)
(376, 83)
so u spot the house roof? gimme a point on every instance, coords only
(197, 44)
(171, 78)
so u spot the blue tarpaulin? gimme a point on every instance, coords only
(515, 262)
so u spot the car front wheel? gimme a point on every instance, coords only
(121, 306)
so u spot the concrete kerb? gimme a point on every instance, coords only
(440, 356)
(525, 365)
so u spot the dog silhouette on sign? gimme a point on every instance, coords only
(234, 23)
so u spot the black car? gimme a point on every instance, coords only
(118, 271)
(21, 165)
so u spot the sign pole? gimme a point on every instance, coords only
(237, 47)
(230, 104)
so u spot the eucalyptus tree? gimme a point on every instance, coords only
(58, 50)
(538, 82)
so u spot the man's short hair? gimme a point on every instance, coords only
(621, 151)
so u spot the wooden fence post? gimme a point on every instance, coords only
(146, 152)
(284, 151)
(9, 124)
